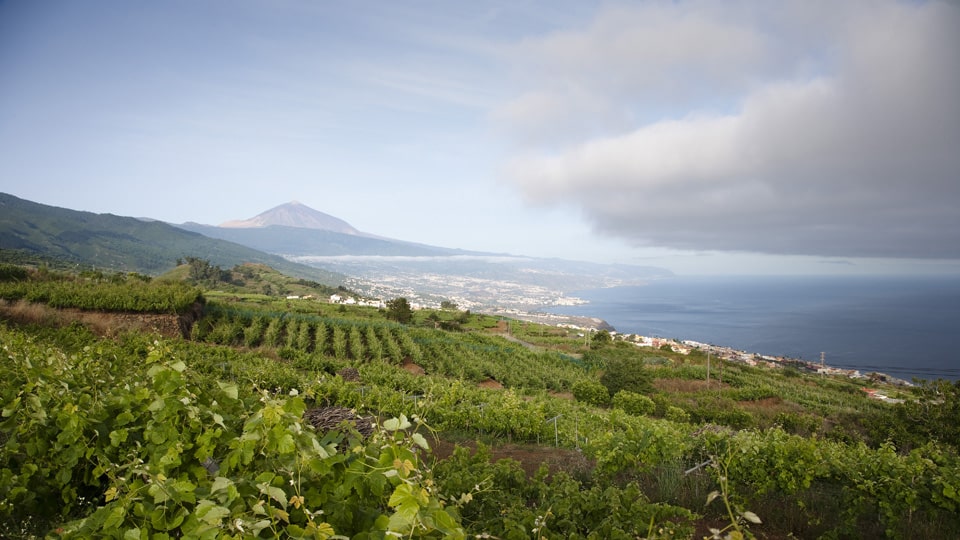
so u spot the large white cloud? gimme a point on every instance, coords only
(805, 128)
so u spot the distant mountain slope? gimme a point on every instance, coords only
(294, 214)
(300, 241)
(125, 243)
(294, 229)
(387, 268)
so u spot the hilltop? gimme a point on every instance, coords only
(294, 214)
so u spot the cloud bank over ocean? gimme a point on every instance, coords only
(810, 128)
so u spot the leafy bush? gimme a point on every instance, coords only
(501, 500)
(592, 392)
(12, 272)
(676, 414)
(626, 374)
(127, 448)
(633, 403)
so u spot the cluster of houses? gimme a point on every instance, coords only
(347, 300)
(351, 301)
(752, 359)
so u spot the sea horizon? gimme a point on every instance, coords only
(903, 326)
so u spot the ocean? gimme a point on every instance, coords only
(902, 326)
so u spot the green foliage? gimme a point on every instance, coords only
(12, 272)
(676, 414)
(62, 238)
(623, 369)
(399, 310)
(119, 445)
(201, 272)
(499, 500)
(601, 338)
(235, 397)
(591, 392)
(120, 294)
(932, 413)
(633, 403)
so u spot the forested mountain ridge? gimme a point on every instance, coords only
(120, 243)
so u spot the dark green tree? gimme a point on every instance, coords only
(931, 414)
(601, 338)
(399, 310)
(623, 368)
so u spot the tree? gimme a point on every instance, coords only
(623, 368)
(202, 272)
(448, 305)
(933, 413)
(626, 374)
(399, 310)
(601, 338)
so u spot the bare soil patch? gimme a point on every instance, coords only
(501, 327)
(410, 367)
(491, 384)
(99, 322)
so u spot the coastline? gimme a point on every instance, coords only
(686, 346)
(582, 322)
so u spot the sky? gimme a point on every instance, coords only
(700, 136)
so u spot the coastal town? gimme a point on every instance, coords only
(522, 297)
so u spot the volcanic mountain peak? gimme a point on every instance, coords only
(294, 214)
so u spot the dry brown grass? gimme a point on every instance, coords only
(27, 313)
(100, 323)
(412, 368)
(491, 384)
(685, 386)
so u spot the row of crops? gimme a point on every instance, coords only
(137, 438)
(158, 414)
(472, 356)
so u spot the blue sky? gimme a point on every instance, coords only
(705, 137)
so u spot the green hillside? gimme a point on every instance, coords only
(259, 425)
(248, 279)
(110, 242)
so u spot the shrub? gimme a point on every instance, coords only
(633, 403)
(11, 272)
(676, 414)
(626, 374)
(592, 392)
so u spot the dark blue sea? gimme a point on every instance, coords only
(903, 326)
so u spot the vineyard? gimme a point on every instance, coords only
(137, 436)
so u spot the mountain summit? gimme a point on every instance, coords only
(294, 214)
